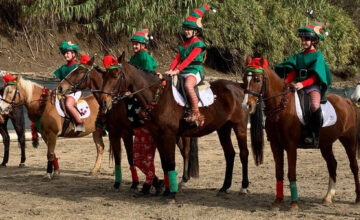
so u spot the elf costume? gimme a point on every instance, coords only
(310, 69)
(72, 98)
(144, 145)
(188, 61)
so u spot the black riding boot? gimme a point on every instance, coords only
(316, 124)
(144, 191)
(159, 185)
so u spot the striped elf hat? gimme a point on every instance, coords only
(142, 36)
(314, 30)
(193, 21)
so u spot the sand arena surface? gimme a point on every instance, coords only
(75, 195)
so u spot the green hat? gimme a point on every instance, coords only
(313, 30)
(193, 21)
(68, 46)
(142, 36)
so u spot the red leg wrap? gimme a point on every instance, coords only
(279, 189)
(134, 175)
(56, 163)
(166, 180)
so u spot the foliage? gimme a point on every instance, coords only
(239, 27)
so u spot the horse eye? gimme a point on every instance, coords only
(257, 80)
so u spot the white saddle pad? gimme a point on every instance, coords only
(328, 112)
(206, 96)
(81, 105)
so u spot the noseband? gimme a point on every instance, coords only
(13, 98)
(74, 86)
(263, 86)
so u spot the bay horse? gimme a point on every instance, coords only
(165, 123)
(17, 119)
(283, 129)
(117, 123)
(32, 95)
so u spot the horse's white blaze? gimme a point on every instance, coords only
(246, 98)
(356, 94)
(331, 191)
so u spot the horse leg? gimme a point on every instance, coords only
(19, 126)
(225, 140)
(116, 149)
(291, 156)
(97, 137)
(6, 140)
(128, 141)
(184, 146)
(166, 147)
(240, 133)
(331, 163)
(278, 154)
(350, 147)
(51, 143)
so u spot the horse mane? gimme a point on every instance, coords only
(139, 68)
(99, 69)
(28, 86)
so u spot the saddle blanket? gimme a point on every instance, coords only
(328, 112)
(206, 95)
(81, 105)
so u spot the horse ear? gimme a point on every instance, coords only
(248, 59)
(121, 59)
(91, 61)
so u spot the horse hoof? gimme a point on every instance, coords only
(2, 165)
(294, 206)
(116, 185)
(222, 193)
(47, 177)
(21, 165)
(277, 204)
(93, 173)
(56, 172)
(134, 186)
(244, 191)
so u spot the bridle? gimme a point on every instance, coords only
(260, 94)
(12, 102)
(74, 86)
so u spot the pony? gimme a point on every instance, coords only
(283, 129)
(40, 104)
(119, 126)
(164, 117)
(18, 121)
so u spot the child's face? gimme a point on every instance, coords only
(306, 42)
(189, 33)
(69, 55)
(137, 46)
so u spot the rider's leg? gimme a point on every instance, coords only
(316, 115)
(70, 107)
(190, 83)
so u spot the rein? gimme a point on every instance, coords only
(85, 77)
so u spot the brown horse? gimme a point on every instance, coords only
(118, 124)
(166, 116)
(30, 94)
(283, 129)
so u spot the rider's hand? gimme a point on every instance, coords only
(299, 86)
(159, 75)
(172, 72)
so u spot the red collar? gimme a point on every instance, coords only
(72, 62)
(190, 41)
(309, 51)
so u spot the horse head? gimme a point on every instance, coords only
(77, 79)
(11, 96)
(355, 97)
(114, 83)
(254, 82)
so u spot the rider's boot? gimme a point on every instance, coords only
(316, 121)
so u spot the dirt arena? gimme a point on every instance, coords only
(75, 195)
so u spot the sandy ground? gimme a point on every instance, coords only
(75, 195)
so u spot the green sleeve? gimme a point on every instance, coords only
(286, 66)
(147, 61)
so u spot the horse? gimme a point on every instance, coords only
(18, 121)
(165, 117)
(355, 96)
(118, 125)
(283, 130)
(36, 99)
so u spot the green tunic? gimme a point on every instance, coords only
(184, 53)
(313, 62)
(64, 70)
(144, 61)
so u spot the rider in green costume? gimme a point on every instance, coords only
(310, 72)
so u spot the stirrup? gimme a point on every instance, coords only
(79, 127)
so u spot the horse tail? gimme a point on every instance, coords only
(193, 158)
(357, 132)
(257, 135)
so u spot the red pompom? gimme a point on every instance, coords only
(84, 59)
(109, 60)
(7, 78)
